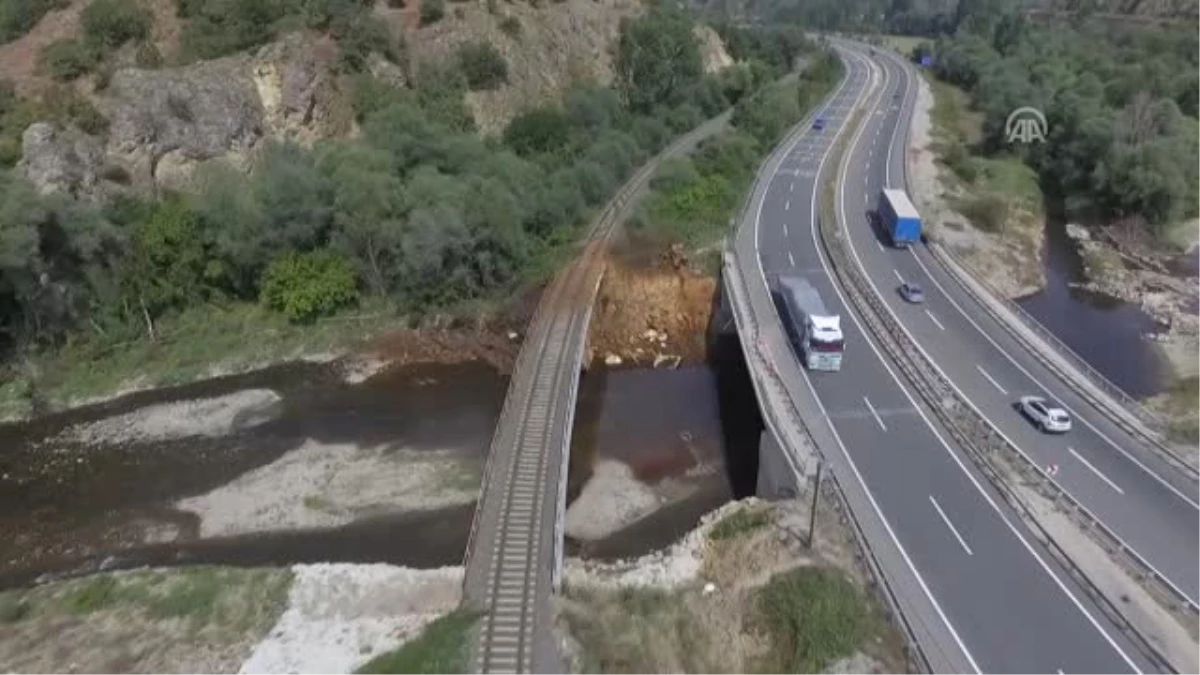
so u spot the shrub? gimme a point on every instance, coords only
(511, 26)
(541, 130)
(65, 60)
(987, 212)
(17, 17)
(960, 162)
(432, 11)
(108, 24)
(813, 617)
(148, 56)
(482, 65)
(66, 106)
(305, 286)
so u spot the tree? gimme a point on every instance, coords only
(482, 65)
(545, 129)
(169, 265)
(108, 24)
(432, 11)
(67, 59)
(657, 58)
(304, 286)
(369, 208)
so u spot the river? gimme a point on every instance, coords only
(70, 507)
(1107, 332)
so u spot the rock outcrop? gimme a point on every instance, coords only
(164, 124)
(58, 159)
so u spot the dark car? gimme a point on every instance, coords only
(912, 293)
(819, 123)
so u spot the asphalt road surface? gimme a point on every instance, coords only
(1147, 504)
(1008, 606)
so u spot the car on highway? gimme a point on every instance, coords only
(911, 293)
(819, 123)
(1046, 415)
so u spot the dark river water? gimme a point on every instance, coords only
(1108, 333)
(82, 509)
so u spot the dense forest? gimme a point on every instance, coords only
(419, 210)
(1121, 106)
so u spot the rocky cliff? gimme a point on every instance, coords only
(165, 123)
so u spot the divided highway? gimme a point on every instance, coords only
(1143, 500)
(1006, 605)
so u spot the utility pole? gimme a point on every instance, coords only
(812, 511)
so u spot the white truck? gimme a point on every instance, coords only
(818, 332)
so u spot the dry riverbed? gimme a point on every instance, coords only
(719, 600)
(303, 447)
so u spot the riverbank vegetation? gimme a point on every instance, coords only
(201, 619)
(417, 215)
(442, 647)
(760, 601)
(693, 198)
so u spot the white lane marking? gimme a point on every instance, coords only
(934, 320)
(950, 525)
(875, 414)
(894, 271)
(792, 186)
(841, 210)
(787, 205)
(1095, 470)
(878, 245)
(785, 228)
(865, 184)
(791, 259)
(841, 446)
(990, 379)
(1038, 382)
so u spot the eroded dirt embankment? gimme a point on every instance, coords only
(651, 314)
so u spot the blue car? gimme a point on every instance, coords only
(819, 123)
(912, 293)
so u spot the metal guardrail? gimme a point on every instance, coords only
(1151, 436)
(976, 434)
(749, 329)
(1152, 428)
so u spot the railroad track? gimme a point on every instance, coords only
(518, 568)
(512, 560)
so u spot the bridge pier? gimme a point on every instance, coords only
(776, 479)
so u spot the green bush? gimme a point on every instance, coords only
(813, 617)
(541, 130)
(432, 11)
(18, 16)
(442, 647)
(65, 60)
(148, 56)
(482, 65)
(108, 24)
(511, 26)
(960, 162)
(987, 212)
(65, 105)
(305, 286)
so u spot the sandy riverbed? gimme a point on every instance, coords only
(331, 484)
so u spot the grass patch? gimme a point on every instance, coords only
(738, 523)
(1183, 401)
(648, 630)
(813, 617)
(316, 503)
(440, 648)
(1009, 176)
(13, 607)
(952, 118)
(205, 595)
(904, 44)
(230, 337)
(988, 212)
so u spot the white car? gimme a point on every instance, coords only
(1047, 416)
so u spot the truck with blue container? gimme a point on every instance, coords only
(899, 218)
